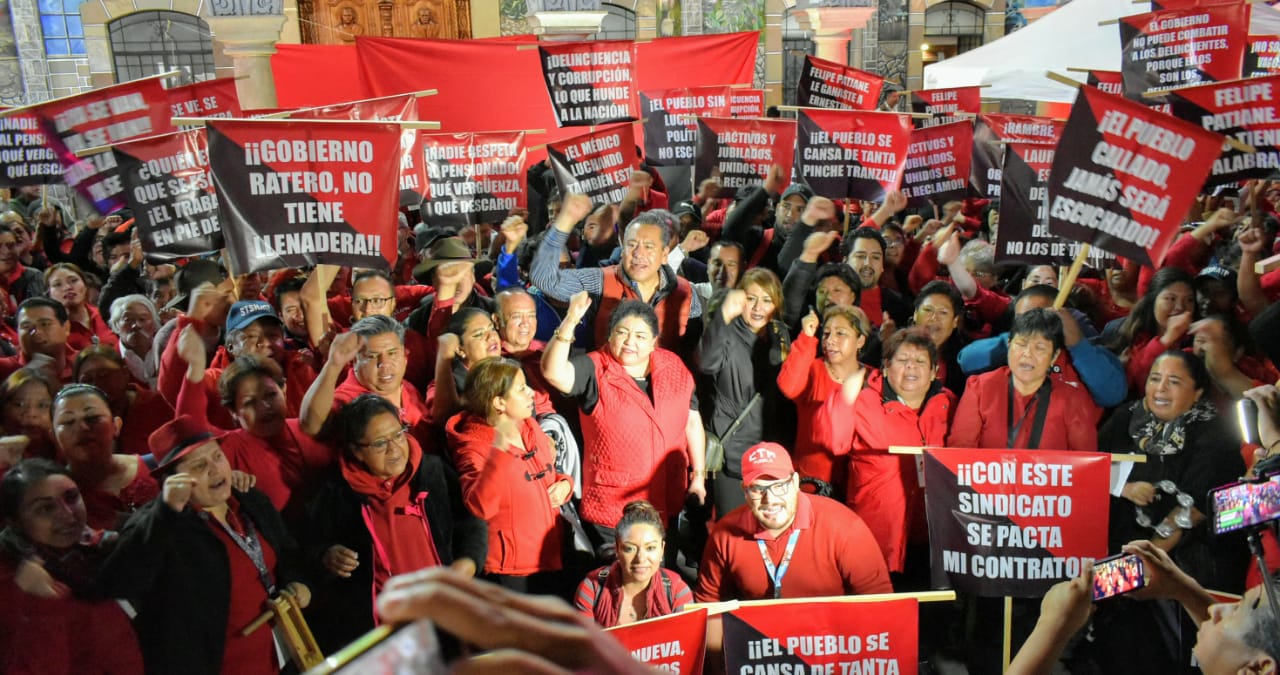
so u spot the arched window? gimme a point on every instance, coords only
(154, 42)
(963, 22)
(618, 24)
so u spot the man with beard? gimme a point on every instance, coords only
(744, 223)
(866, 256)
(784, 543)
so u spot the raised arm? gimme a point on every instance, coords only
(545, 272)
(319, 399)
(556, 367)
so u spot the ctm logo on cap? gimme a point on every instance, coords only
(762, 455)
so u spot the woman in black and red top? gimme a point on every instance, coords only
(393, 509)
(636, 586)
(506, 468)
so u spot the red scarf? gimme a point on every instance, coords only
(394, 515)
(609, 599)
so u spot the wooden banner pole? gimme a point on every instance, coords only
(1064, 289)
(1008, 631)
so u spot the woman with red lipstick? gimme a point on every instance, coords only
(742, 349)
(1019, 405)
(67, 286)
(635, 587)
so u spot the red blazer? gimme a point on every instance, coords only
(508, 489)
(981, 418)
(804, 379)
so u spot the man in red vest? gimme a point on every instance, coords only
(643, 274)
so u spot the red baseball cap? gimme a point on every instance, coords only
(766, 460)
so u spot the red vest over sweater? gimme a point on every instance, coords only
(673, 310)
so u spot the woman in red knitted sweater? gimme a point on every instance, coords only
(814, 384)
(506, 470)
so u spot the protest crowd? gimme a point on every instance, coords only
(626, 407)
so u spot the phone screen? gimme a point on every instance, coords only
(411, 648)
(1243, 505)
(1118, 574)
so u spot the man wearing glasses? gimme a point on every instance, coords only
(784, 543)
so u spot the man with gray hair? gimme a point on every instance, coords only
(374, 348)
(134, 319)
(643, 274)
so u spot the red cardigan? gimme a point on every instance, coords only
(804, 379)
(524, 529)
(981, 418)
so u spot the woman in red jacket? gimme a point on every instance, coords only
(814, 385)
(506, 470)
(1160, 321)
(907, 406)
(50, 624)
(1020, 405)
(141, 410)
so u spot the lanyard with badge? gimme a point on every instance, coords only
(252, 547)
(776, 573)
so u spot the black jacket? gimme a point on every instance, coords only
(343, 610)
(175, 570)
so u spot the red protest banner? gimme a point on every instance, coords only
(1244, 110)
(742, 150)
(597, 164)
(937, 166)
(101, 117)
(805, 637)
(397, 108)
(1262, 56)
(827, 84)
(1113, 182)
(294, 194)
(590, 83)
(990, 131)
(1110, 81)
(944, 105)
(25, 156)
(170, 191)
(1181, 47)
(1014, 522)
(670, 126)
(844, 154)
(675, 643)
(472, 178)
(212, 98)
(746, 103)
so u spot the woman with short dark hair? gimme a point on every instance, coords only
(506, 470)
(54, 622)
(1021, 405)
(393, 509)
(141, 410)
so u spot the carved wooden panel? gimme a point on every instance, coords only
(342, 21)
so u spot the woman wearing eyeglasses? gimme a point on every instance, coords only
(505, 465)
(392, 510)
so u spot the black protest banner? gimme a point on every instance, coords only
(295, 194)
(670, 124)
(746, 103)
(1014, 522)
(168, 187)
(590, 83)
(1110, 81)
(1244, 110)
(827, 84)
(25, 155)
(846, 154)
(212, 98)
(800, 637)
(395, 108)
(741, 150)
(473, 178)
(990, 131)
(1178, 48)
(1024, 232)
(1113, 182)
(937, 167)
(97, 118)
(946, 105)
(1262, 56)
(597, 164)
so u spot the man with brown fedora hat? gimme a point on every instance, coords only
(449, 267)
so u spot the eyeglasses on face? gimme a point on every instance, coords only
(778, 489)
(381, 445)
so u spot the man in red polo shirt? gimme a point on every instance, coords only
(787, 544)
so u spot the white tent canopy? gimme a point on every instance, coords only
(1014, 66)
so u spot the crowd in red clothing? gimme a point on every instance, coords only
(649, 406)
